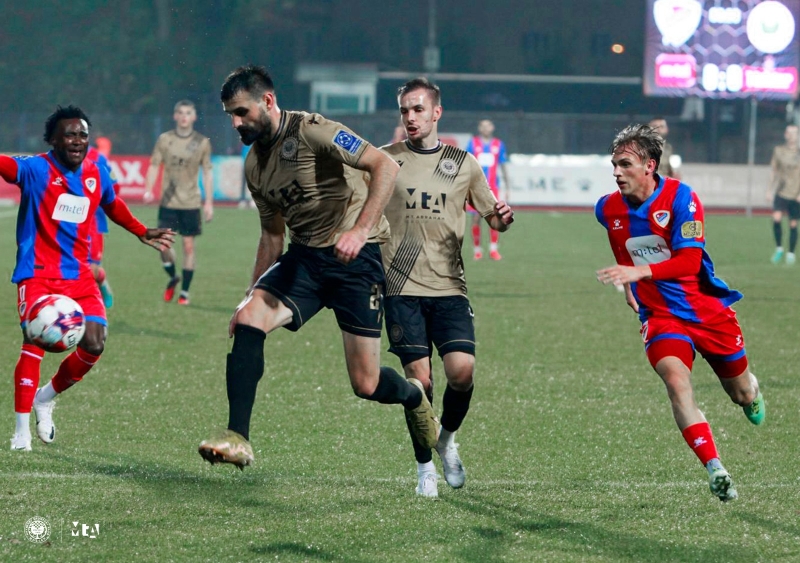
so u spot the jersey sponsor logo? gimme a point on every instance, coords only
(617, 225)
(71, 209)
(486, 159)
(692, 207)
(289, 148)
(661, 218)
(91, 184)
(692, 229)
(347, 141)
(58, 181)
(418, 199)
(649, 249)
(448, 167)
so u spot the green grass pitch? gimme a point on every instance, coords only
(570, 447)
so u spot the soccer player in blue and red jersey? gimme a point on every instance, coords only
(99, 155)
(60, 192)
(656, 229)
(491, 154)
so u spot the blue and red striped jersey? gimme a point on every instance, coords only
(99, 158)
(56, 212)
(489, 155)
(672, 218)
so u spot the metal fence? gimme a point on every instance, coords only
(526, 133)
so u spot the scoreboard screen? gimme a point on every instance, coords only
(722, 48)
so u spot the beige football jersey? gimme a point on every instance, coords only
(182, 158)
(427, 218)
(786, 163)
(664, 166)
(304, 174)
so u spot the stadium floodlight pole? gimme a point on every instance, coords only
(432, 57)
(751, 155)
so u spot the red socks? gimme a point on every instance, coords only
(72, 369)
(699, 438)
(26, 377)
(494, 236)
(476, 235)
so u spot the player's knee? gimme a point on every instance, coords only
(364, 388)
(93, 345)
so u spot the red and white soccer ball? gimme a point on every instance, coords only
(55, 323)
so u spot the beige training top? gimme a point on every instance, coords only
(182, 158)
(304, 174)
(786, 163)
(664, 167)
(427, 216)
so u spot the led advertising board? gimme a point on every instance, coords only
(722, 48)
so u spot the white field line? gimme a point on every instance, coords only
(167, 476)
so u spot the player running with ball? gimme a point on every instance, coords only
(60, 193)
(656, 230)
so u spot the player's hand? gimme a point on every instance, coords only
(619, 275)
(350, 244)
(160, 239)
(504, 212)
(208, 213)
(235, 316)
(147, 197)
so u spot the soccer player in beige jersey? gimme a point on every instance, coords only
(786, 187)
(182, 151)
(426, 292)
(301, 174)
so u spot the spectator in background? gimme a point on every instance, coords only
(785, 185)
(182, 151)
(668, 167)
(491, 154)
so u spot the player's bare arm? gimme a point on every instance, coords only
(270, 247)
(208, 186)
(382, 171)
(149, 182)
(502, 217)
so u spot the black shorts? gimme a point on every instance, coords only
(307, 279)
(789, 206)
(413, 323)
(186, 222)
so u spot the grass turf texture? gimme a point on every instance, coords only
(570, 447)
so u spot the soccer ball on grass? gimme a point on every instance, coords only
(55, 323)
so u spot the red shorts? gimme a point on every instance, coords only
(719, 341)
(96, 245)
(84, 291)
(496, 193)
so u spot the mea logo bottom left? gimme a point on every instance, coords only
(85, 530)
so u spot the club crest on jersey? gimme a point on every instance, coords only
(661, 218)
(289, 148)
(692, 229)
(448, 167)
(347, 141)
(90, 184)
